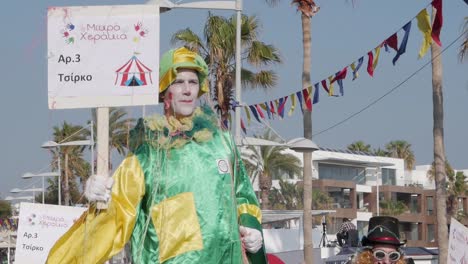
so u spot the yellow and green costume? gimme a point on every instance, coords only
(179, 198)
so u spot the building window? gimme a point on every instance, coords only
(430, 205)
(342, 173)
(388, 176)
(430, 233)
(414, 208)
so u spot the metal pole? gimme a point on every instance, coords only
(92, 147)
(102, 146)
(9, 249)
(43, 190)
(238, 71)
(377, 187)
(59, 179)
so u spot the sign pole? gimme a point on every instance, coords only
(102, 146)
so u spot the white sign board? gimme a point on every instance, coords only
(102, 56)
(458, 243)
(39, 227)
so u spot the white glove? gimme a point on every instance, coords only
(98, 188)
(251, 239)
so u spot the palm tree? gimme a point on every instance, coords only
(308, 8)
(456, 186)
(359, 146)
(287, 197)
(218, 49)
(71, 157)
(439, 149)
(119, 127)
(269, 161)
(379, 152)
(5, 209)
(401, 149)
(392, 208)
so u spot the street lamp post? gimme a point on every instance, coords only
(29, 175)
(53, 144)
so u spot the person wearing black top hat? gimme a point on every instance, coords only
(382, 243)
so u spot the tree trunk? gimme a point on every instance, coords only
(66, 185)
(265, 183)
(439, 151)
(307, 120)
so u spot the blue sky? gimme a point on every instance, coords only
(341, 33)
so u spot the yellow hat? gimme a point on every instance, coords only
(185, 59)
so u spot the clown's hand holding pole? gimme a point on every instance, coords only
(98, 188)
(251, 239)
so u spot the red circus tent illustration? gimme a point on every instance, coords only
(133, 73)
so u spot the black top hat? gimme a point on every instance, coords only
(383, 230)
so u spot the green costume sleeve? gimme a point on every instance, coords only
(250, 214)
(98, 235)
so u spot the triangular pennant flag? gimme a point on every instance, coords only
(330, 87)
(254, 112)
(370, 63)
(281, 106)
(341, 74)
(293, 104)
(402, 48)
(265, 106)
(356, 69)
(299, 97)
(392, 41)
(272, 108)
(324, 85)
(259, 111)
(247, 113)
(438, 21)
(340, 84)
(424, 25)
(316, 93)
(376, 58)
(243, 127)
(308, 104)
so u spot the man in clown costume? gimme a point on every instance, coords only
(181, 196)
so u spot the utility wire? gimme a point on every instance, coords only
(389, 92)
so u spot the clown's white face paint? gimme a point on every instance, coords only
(181, 96)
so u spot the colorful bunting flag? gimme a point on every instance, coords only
(259, 111)
(247, 113)
(424, 25)
(438, 21)
(299, 97)
(324, 85)
(243, 127)
(265, 106)
(402, 48)
(254, 112)
(370, 63)
(272, 108)
(392, 41)
(308, 104)
(376, 57)
(330, 87)
(356, 69)
(293, 104)
(341, 74)
(316, 93)
(282, 102)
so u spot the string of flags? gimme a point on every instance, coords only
(307, 97)
(8, 224)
